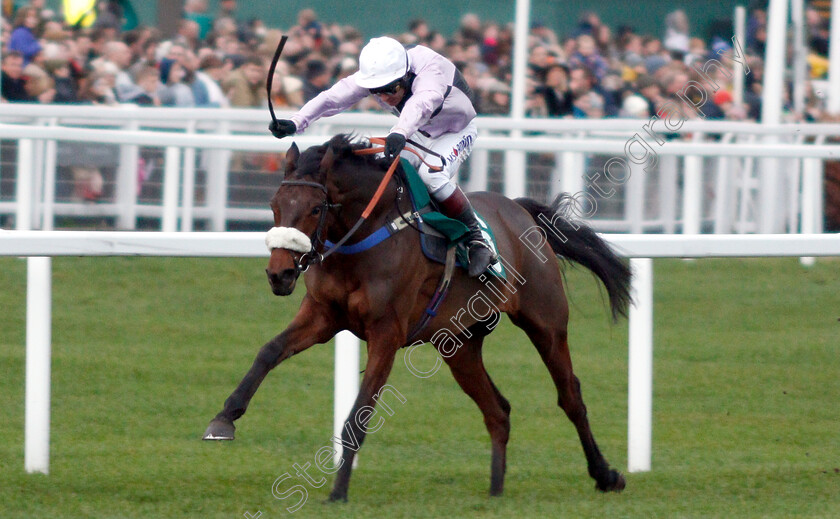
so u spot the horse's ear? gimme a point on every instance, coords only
(328, 160)
(292, 158)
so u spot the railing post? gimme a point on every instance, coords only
(38, 355)
(811, 205)
(723, 220)
(24, 185)
(50, 158)
(693, 191)
(668, 193)
(479, 164)
(188, 195)
(217, 182)
(127, 182)
(634, 196)
(640, 368)
(516, 170)
(346, 385)
(172, 166)
(39, 152)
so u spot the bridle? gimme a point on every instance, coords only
(311, 257)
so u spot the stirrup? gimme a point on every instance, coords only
(481, 243)
(475, 269)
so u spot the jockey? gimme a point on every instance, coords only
(432, 101)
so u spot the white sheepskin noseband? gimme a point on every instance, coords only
(287, 238)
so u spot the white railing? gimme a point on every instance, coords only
(736, 176)
(40, 245)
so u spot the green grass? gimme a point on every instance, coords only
(746, 414)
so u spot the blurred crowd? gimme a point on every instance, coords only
(217, 59)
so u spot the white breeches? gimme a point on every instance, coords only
(454, 147)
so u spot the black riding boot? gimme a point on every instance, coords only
(457, 206)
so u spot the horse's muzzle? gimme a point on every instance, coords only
(283, 282)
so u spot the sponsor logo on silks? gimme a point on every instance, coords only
(488, 236)
(464, 144)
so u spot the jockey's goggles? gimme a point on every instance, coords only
(390, 88)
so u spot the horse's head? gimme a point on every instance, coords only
(300, 208)
(317, 181)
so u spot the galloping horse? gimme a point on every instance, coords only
(380, 294)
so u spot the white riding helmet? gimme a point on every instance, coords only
(382, 61)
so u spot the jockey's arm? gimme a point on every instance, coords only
(335, 100)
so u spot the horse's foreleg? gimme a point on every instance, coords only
(363, 416)
(468, 369)
(313, 324)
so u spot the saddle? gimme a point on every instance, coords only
(439, 233)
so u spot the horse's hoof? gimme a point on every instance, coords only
(615, 483)
(337, 496)
(219, 429)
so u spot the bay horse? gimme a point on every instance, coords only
(379, 294)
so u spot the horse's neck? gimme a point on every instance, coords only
(354, 191)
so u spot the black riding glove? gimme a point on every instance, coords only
(282, 128)
(394, 144)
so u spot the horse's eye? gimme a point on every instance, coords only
(316, 211)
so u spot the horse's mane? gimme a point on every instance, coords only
(343, 145)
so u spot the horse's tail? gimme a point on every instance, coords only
(577, 242)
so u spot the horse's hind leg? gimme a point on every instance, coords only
(468, 369)
(551, 342)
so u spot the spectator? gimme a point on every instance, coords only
(211, 70)
(419, 30)
(118, 54)
(174, 91)
(635, 106)
(66, 88)
(39, 84)
(316, 80)
(188, 33)
(490, 44)
(286, 89)
(149, 88)
(469, 30)
(726, 103)
(245, 85)
(650, 91)
(605, 43)
(558, 97)
(109, 17)
(196, 10)
(102, 86)
(587, 56)
(495, 99)
(148, 56)
(588, 24)
(631, 54)
(309, 25)
(586, 102)
(818, 31)
(611, 89)
(589, 106)
(227, 9)
(23, 39)
(676, 34)
(13, 87)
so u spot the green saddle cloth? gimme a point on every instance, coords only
(454, 231)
